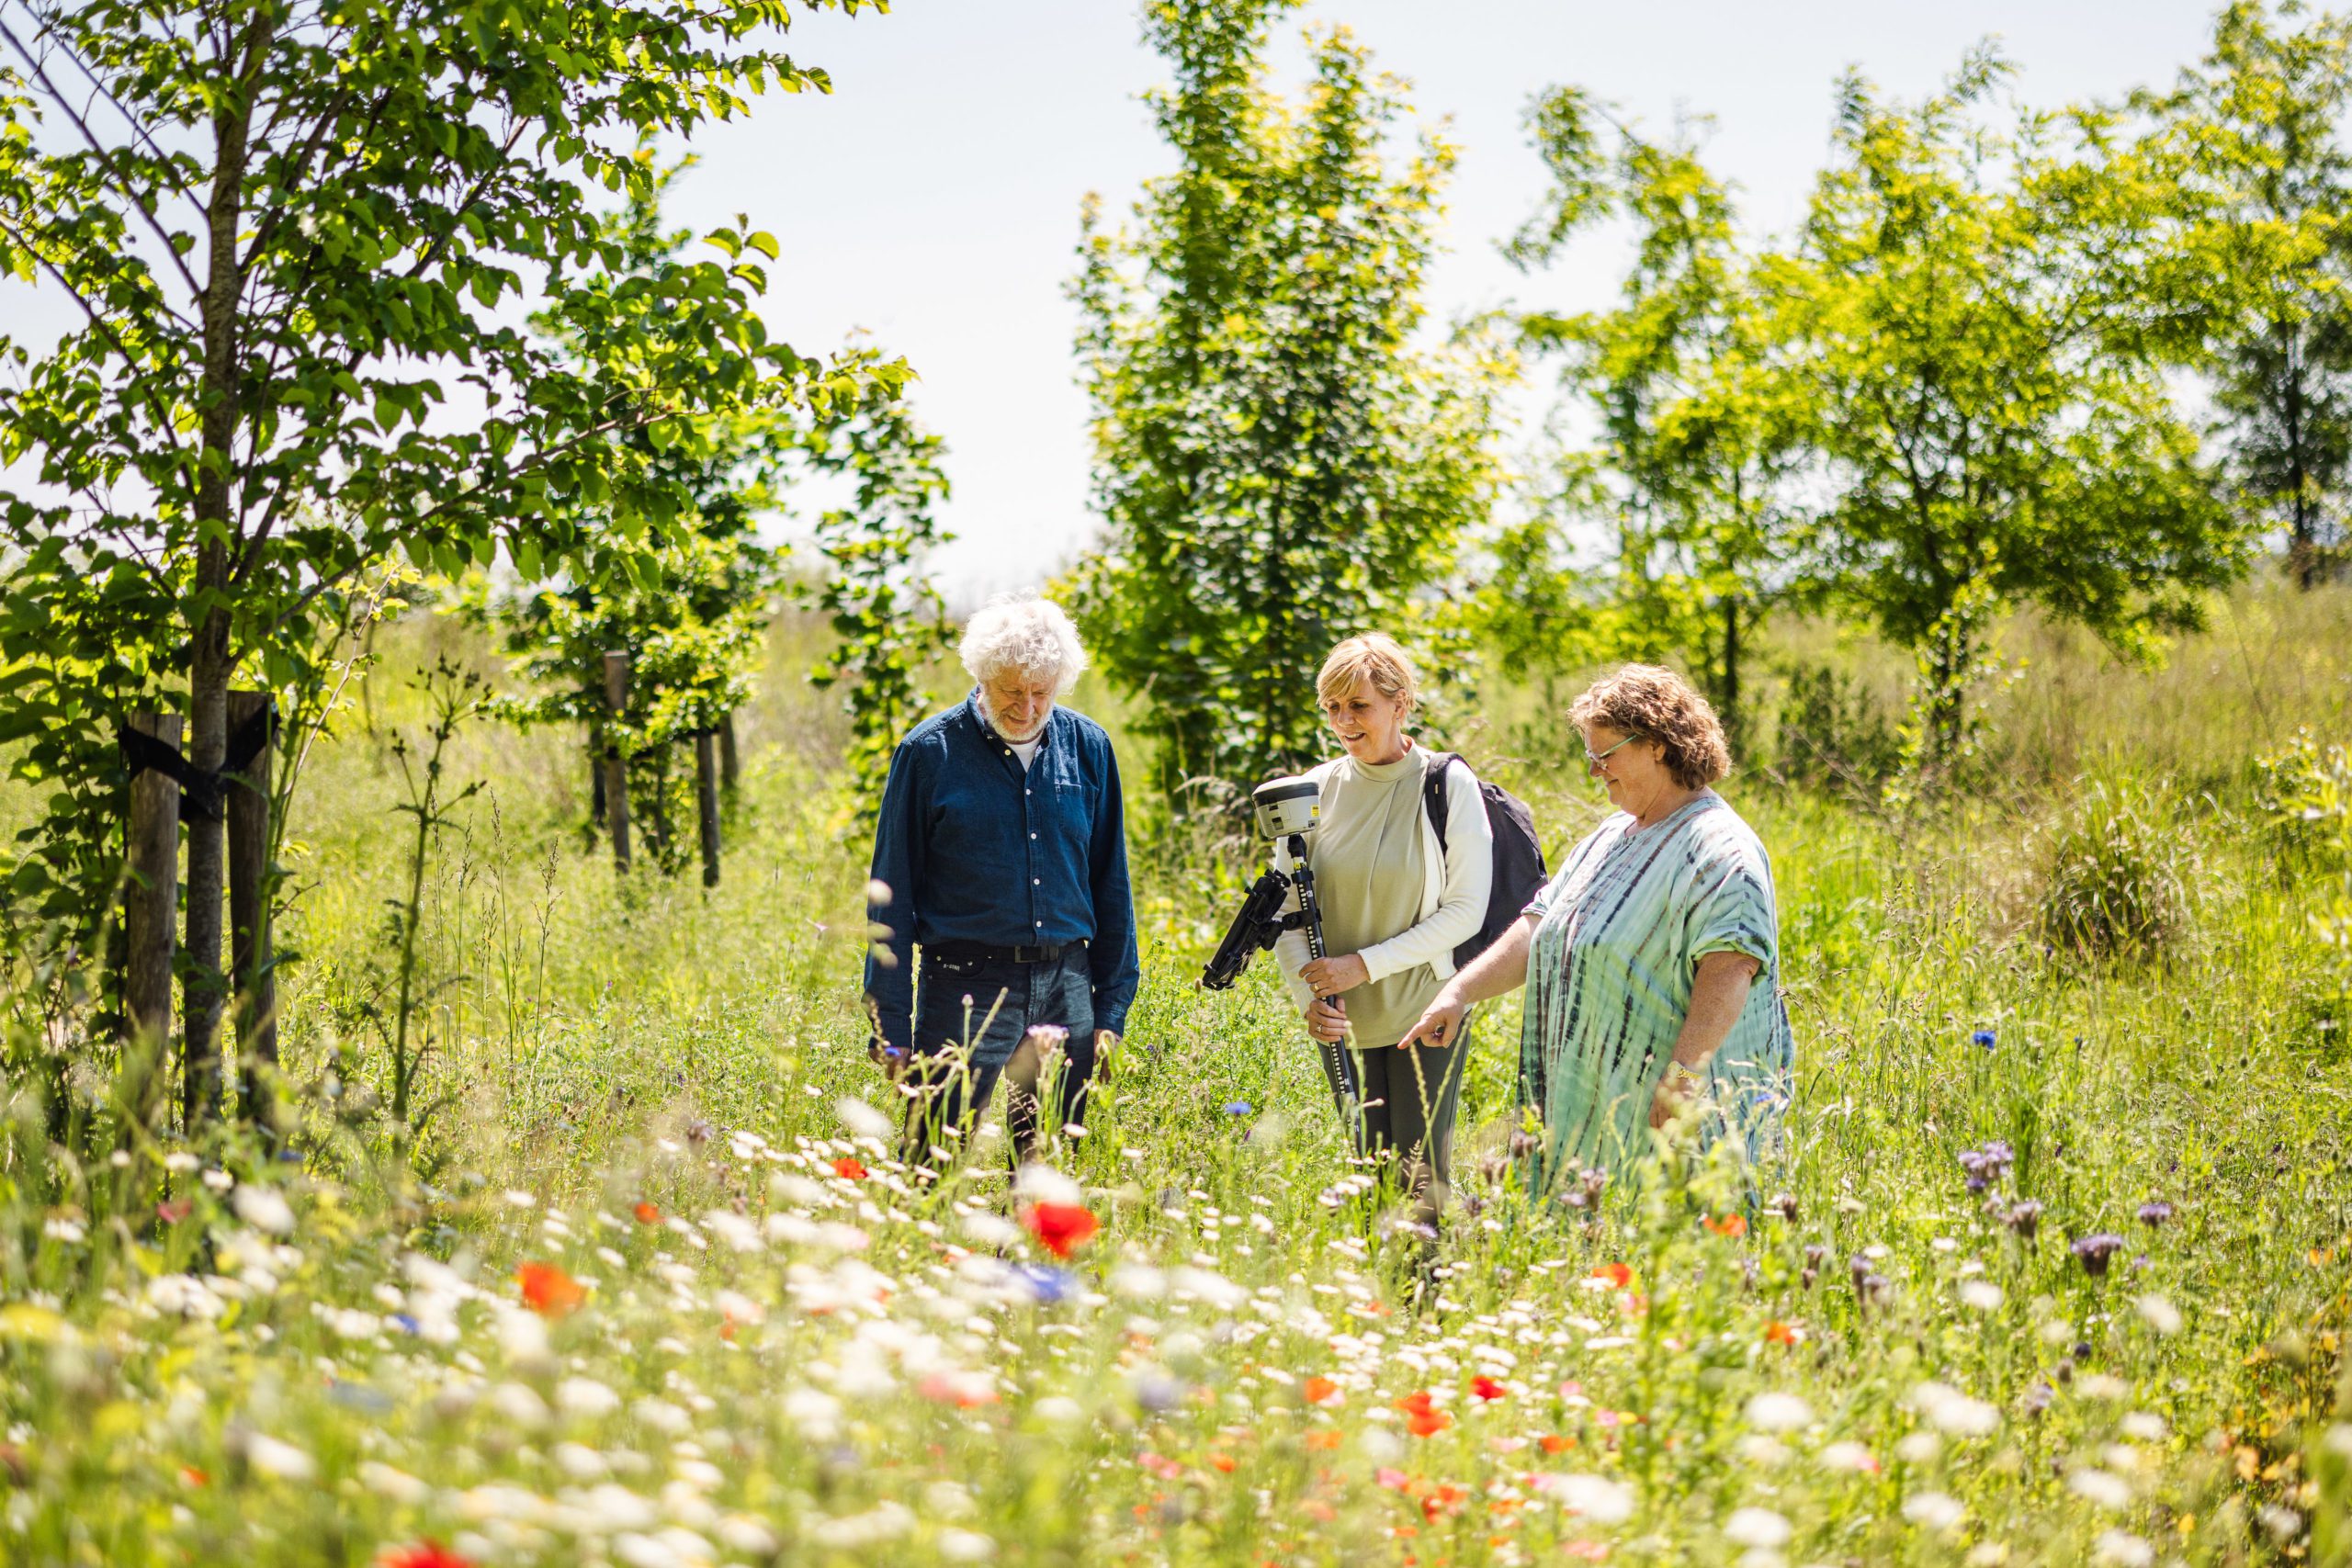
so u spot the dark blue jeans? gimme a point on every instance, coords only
(971, 1017)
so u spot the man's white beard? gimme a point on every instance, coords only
(1007, 735)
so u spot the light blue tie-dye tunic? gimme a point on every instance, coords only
(1621, 931)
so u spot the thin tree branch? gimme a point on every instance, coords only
(162, 419)
(468, 497)
(105, 156)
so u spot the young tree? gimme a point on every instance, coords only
(1704, 422)
(886, 617)
(2253, 135)
(295, 234)
(689, 609)
(1993, 414)
(1277, 464)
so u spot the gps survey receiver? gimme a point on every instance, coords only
(1287, 811)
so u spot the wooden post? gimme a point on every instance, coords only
(595, 788)
(617, 770)
(151, 921)
(247, 799)
(730, 769)
(707, 803)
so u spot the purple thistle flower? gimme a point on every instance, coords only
(2155, 1213)
(2024, 1217)
(2093, 1251)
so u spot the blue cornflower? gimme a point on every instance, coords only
(408, 1325)
(1238, 1107)
(1045, 1283)
(1984, 1037)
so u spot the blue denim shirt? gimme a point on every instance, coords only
(975, 850)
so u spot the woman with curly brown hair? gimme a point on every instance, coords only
(1652, 960)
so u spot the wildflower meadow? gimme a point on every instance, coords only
(489, 489)
(2054, 1271)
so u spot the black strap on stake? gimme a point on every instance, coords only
(201, 797)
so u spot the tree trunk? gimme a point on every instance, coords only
(706, 804)
(658, 826)
(249, 918)
(211, 661)
(731, 767)
(1946, 713)
(1731, 714)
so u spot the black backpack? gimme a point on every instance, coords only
(1519, 859)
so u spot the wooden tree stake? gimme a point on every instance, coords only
(615, 769)
(706, 804)
(152, 921)
(247, 799)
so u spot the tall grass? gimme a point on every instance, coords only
(804, 1356)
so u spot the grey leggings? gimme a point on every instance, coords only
(1407, 1117)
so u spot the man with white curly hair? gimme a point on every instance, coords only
(1001, 856)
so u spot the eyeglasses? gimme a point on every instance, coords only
(1590, 760)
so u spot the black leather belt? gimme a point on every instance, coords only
(1045, 954)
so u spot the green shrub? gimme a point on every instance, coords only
(1833, 735)
(2305, 794)
(2113, 875)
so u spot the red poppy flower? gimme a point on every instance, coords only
(424, 1555)
(1326, 1438)
(1553, 1443)
(1487, 1388)
(1223, 1462)
(1733, 1226)
(963, 1392)
(1318, 1387)
(191, 1476)
(547, 1290)
(1060, 1228)
(849, 1170)
(1422, 1418)
(1779, 1333)
(1618, 1274)
(647, 1214)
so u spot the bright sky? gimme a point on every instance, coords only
(932, 199)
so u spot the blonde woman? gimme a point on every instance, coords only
(1396, 905)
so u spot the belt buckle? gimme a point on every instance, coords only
(1028, 955)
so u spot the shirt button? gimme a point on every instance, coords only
(1040, 925)
(1033, 835)
(1036, 882)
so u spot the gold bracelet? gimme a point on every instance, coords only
(1677, 1069)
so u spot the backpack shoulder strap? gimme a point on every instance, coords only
(1433, 792)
